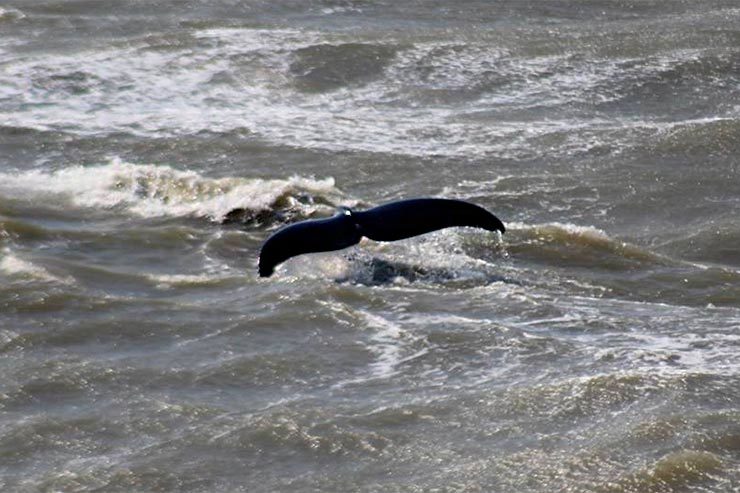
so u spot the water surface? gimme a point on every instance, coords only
(593, 347)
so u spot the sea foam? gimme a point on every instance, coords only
(15, 266)
(148, 190)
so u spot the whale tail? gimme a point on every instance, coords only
(322, 235)
(413, 217)
(388, 222)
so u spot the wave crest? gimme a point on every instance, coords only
(148, 191)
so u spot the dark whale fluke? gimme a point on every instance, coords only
(389, 222)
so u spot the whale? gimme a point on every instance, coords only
(388, 222)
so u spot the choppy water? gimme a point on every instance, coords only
(593, 348)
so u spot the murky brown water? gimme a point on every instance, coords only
(593, 347)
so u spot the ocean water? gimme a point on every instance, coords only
(147, 149)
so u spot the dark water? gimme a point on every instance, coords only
(595, 347)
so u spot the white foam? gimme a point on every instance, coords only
(11, 13)
(213, 274)
(679, 353)
(166, 281)
(154, 191)
(390, 344)
(15, 266)
(242, 81)
(261, 41)
(385, 344)
(573, 229)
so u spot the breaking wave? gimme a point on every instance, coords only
(150, 191)
(468, 96)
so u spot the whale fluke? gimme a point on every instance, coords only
(388, 222)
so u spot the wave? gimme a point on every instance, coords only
(573, 241)
(702, 137)
(681, 470)
(15, 266)
(574, 259)
(571, 257)
(461, 96)
(591, 257)
(10, 14)
(326, 67)
(208, 280)
(151, 191)
(714, 243)
(468, 258)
